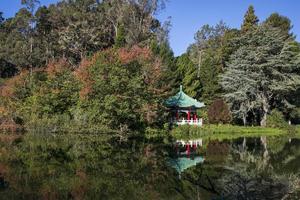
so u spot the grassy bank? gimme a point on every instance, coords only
(227, 132)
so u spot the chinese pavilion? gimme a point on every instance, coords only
(183, 109)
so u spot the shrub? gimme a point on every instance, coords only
(203, 114)
(276, 120)
(218, 112)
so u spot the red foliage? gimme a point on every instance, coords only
(9, 126)
(56, 67)
(218, 112)
(83, 75)
(135, 53)
(8, 89)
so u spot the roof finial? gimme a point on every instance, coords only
(180, 88)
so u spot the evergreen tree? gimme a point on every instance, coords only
(278, 21)
(186, 75)
(1, 18)
(260, 72)
(250, 19)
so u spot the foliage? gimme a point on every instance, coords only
(276, 119)
(187, 75)
(74, 29)
(206, 61)
(250, 20)
(76, 166)
(278, 21)
(261, 72)
(218, 112)
(116, 90)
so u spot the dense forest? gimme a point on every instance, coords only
(82, 116)
(107, 66)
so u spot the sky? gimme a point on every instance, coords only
(187, 16)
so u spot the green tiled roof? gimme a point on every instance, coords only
(182, 100)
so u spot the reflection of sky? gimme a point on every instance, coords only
(183, 163)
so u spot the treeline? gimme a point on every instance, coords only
(255, 69)
(90, 66)
(85, 66)
(74, 30)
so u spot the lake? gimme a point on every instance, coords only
(91, 167)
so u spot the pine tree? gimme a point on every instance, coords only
(278, 21)
(250, 20)
(187, 76)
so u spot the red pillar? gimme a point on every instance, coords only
(177, 115)
(194, 146)
(188, 149)
(189, 115)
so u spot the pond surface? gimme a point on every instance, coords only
(86, 167)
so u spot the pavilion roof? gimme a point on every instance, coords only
(182, 100)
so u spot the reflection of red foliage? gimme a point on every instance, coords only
(217, 148)
(49, 193)
(79, 190)
(8, 139)
(9, 126)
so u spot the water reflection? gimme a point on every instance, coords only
(183, 163)
(89, 167)
(247, 168)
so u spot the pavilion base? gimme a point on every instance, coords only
(197, 122)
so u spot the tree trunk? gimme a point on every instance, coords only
(263, 121)
(265, 104)
(244, 120)
(244, 144)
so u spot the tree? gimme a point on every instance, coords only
(278, 21)
(30, 4)
(218, 112)
(1, 18)
(208, 54)
(250, 19)
(186, 75)
(260, 73)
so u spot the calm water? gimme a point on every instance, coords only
(86, 167)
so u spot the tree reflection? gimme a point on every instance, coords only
(243, 172)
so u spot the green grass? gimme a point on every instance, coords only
(226, 132)
(298, 130)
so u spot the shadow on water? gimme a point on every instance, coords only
(93, 167)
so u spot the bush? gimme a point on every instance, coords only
(218, 112)
(203, 114)
(276, 120)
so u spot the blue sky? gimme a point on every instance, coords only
(188, 16)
